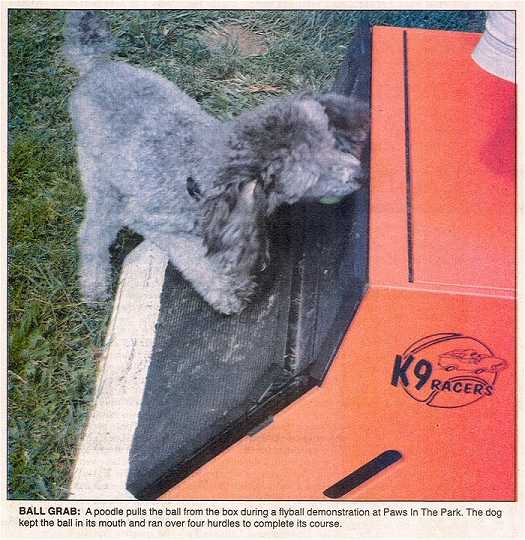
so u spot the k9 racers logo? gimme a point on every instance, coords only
(447, 370)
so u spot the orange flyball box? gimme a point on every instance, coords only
(428, 366)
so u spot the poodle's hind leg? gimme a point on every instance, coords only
(226, 292)
(99, 229)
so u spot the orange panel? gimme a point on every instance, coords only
(461, 139)
(388, 251)
(463, 156)
(463, 453)
(427, 367)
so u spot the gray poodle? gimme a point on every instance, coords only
(200, 189)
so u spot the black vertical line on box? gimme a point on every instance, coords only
(408, 163)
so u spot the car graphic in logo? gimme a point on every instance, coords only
(447, 370)
(471, 361)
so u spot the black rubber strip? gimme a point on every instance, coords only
(361, 475)
(408, 163)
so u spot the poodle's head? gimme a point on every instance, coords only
(301, 148)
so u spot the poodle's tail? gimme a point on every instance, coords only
(87, 40)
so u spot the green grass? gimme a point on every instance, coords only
(53, 337)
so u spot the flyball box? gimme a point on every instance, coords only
(419, 402)
(377, 358)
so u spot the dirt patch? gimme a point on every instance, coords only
(264, 88)
(248, 43)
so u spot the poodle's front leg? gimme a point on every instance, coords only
(98, 230)
(226, 292)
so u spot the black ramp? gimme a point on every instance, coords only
(212, 378)
(205, 364)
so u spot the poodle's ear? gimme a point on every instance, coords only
(233, 223)
(349, 119)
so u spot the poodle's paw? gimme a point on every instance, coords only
(228, 304)
(228, 294)
(95, 289)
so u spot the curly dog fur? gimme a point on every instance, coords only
(202, 190)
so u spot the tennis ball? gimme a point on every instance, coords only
(329, 200)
